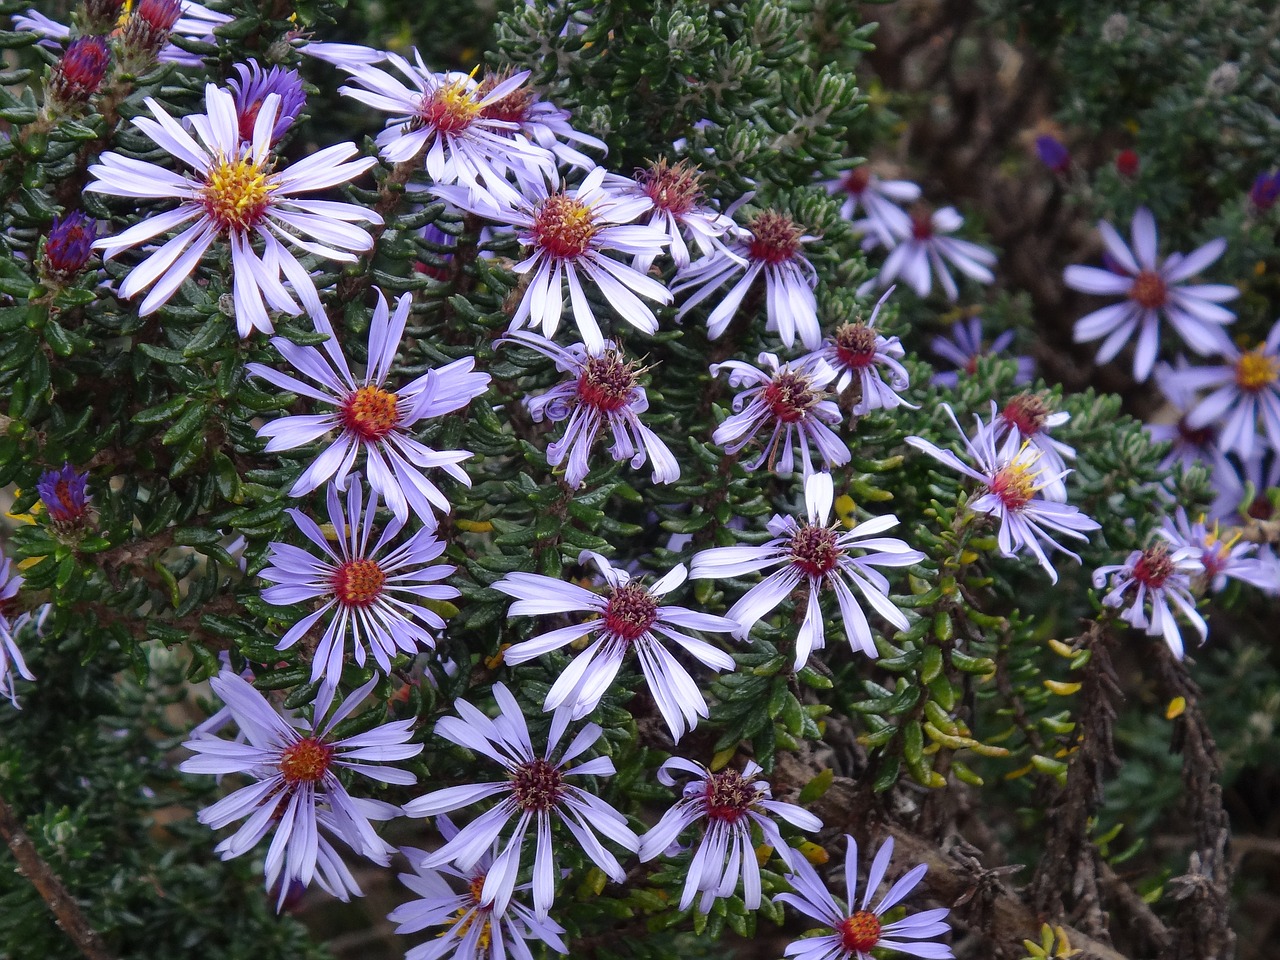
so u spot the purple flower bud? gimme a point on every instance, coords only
(67, 249)
(78, 75)
(147, 31)
(1053, 154)
(101, 16)
(63, 494)
(1265, 190)
(255, 85)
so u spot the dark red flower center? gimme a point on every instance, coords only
(790, 396)
(860, 932)
(537, 785)
(630, 612)
(729, 796)
(306, 761)
(921, 226)
(856, 180)
(513, 108)
(815, 551)
(673, 189)
(1026, 412)
(855, 345)
(563, 227)
(607, 382)
(1195, 436)
(358, 583)
(1154, 567)
(370, 413)
(1149, 290)
(775, 238)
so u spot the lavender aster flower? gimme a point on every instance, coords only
(879, 199)
(372, 595)
(251, 90)
(729, 803)
(858, 350)
(630, 617)
(1152, 290)
(443, 114)
(11, 622)
(1245, 393)
(965, 348)
(925, 249)
(296, 789)
(856, 932)
(1011, 482)
(674, 192)
(234, 193)
(569, 233)
(62, 492)
(473, 930)
(370, 417)
(1026, 419)
(792, 404)
(816, 555)
(770, 245)
(1222, 557)
(1160, 575)
(538, 121)
(1189, 445)
(604, 392)
(534, 791)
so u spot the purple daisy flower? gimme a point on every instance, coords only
(674, 192)
(62, 492)
(879, 199)
(251, 90)
(534, 791)
(790, 403)
(630, 617)
(604, 391)
(965, 348)
(770, 244)
(730, 803)
(815, 555)
(1152, 290)
(1012, 481)
(858, 350)
(234, 193)
(1160, 575)
(1189, 445)
(569, 233)
(924, 249)
(1026, 419)
(11, 622)
(370, 417)
(1222, 557)
(372, 596)
(474, 930)
(1245, 392)
(856, 932)
(443, 115)
(296, 789)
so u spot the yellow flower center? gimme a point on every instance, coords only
(1015, 482)
(237, 192)
(1255, 370)
(451, 108)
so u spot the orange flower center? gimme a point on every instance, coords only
(1148, 290)
(305, 761)
(1015, 484)
(860, 932)
(451, 108)
(370, 413)
(358, 583)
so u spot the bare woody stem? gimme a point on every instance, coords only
(32, 866)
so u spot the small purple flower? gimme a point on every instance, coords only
(629, 618)
(1152, 290)
(1027, 419)
(1160, 574)
(604, 392)
(729, 803)
(78, 75)
(923, 249)
(879, 199)
(10, 623)
(1245, 394)
(1223, 558)
(251, 90)
(296, 789)
(372, 595)
(1194, 445)
(858, 350)
(370, 417)
(1053, 154)
(815, 556)
(856, 932)
(62, 492)
(788, 402)
(674, 193)
(1011, 480)
(473, 930)
(68, 247)
(1265, 190)
(534, 791)
(770, 244)
(965, 348)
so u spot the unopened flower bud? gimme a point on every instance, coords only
(1265, 190)
(146, 32)
(77, 76)
(1053, 154)
(1115, 28)
(67, 248)
(1127, 163)
(63, 493)
(1223, 80)
(101, 16)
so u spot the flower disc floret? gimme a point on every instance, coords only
(860, 932)
(855, 345)
(1256, 370)
(816, 550)
(237, 192)
(370, 413)
(537, 785)
(1149, 290)
(306, 761)
(729, 796)
(790, 396)
(607, 382)
(775, 238)
(563, 227)
(1154, 566)
(630, 611)
(451, 107)
(674, 189)
(359, 583)
(1015, 484)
